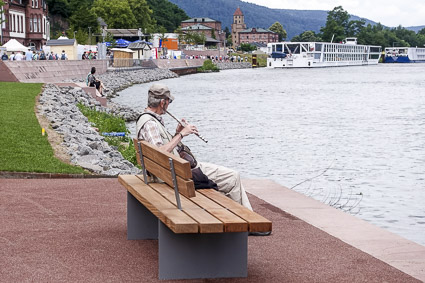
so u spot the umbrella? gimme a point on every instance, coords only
(122, 43)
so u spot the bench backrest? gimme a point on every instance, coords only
(157, 163)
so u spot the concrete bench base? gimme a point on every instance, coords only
(189, 256)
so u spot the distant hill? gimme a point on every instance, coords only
(293, 21)
(416, 29)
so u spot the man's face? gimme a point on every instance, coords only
(166, 103)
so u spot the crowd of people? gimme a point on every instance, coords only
(30, 55)
(41, 55)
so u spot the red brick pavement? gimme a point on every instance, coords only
(74, 230)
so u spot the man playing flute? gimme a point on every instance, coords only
(150, 127)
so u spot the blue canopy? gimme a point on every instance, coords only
(122, 43)
(142, 41)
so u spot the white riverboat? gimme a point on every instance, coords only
(404, 55)
(321, 54)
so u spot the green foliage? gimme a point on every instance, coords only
(194, 38)
(148, 15)
(116, 13)
(336, 26)
(213, 34)
(307, 36)
(246, 47)
(143, 14)
(109, 123)
(166, 14)
(83, 18)
(278, 28)
(1, 14)
(23, 148)
(208, 66)
(339, 27)
(229, 40)
(58, 7)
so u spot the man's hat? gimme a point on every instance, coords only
(160, 91)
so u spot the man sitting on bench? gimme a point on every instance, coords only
(150, 127)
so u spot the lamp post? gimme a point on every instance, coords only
(74, 33)
(89, 35)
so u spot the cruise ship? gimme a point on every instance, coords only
(321, 54)
(404, 55)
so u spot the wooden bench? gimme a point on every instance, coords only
(201, 234)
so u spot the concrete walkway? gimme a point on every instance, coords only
(74, 230)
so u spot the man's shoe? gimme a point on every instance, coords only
(268, 233)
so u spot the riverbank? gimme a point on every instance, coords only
(80, 143)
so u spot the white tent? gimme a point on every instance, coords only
(13, 46)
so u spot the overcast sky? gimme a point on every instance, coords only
(388, 12)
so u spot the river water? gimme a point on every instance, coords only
(351, 137)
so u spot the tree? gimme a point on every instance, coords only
(229, 40)
(1, 14)
(142, 13)
(167, 14)
(58, 7)
(307, 36)
(337, 24)
(227, 31)
(355, 27)
(116, 13)
(246, 47)
(278, 28)
(83, 18)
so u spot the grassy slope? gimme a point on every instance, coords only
(22, 147)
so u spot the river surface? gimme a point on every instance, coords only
(351, 137)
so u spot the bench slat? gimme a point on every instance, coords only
(256, 222)
(186, 187)
(169, 214)
(232, 223)
(207, 222)
(181, 166)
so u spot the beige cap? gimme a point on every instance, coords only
(160, 91)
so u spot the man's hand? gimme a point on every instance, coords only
(186, 130)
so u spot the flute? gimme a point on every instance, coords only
(181, 123)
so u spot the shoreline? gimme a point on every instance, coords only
(78, 141)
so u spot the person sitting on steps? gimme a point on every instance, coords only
(92, 81)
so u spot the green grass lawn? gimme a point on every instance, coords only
(22, 146)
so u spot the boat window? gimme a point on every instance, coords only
(375, 49)
(292, 48)
(279, 48)
(318, 47)
(316, 55)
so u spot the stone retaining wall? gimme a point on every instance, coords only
(178, 63)
(234, 65)
(45, 71)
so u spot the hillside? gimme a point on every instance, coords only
(293, 21)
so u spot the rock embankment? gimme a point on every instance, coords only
(116, 81)
(85, 146)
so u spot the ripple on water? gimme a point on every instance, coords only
(361, 122)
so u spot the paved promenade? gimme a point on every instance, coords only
(74, 230)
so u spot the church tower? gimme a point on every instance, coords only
(238, 25)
